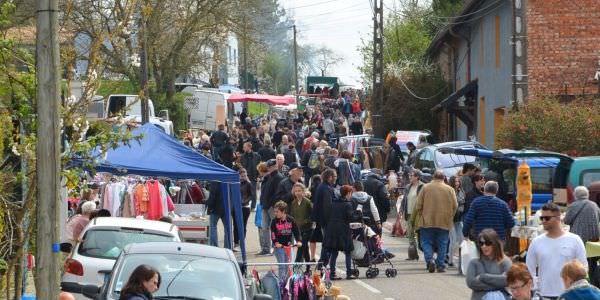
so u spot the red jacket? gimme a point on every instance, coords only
(356, 107)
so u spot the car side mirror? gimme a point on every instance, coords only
(66, 247)
(262, 297)
(91, 291)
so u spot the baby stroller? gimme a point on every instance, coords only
(367, 251)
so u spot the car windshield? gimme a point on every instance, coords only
(108, 243)
(450, 160)
(185, 276)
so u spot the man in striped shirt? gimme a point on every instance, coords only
(488, 211)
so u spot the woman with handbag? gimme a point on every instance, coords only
(486, 276)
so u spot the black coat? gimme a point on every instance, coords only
(226, 155)
(249, 161)
(322, 200)
(395, 158)
(376, 189)
(266, 153)
(284, 190)
(219, 138)
(337, 235)
(214, 203)
(268, 189)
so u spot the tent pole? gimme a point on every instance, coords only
(227, 215)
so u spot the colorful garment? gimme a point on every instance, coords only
(155, 207)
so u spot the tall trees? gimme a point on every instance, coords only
(412, 84)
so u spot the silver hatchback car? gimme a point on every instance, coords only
(188, 271)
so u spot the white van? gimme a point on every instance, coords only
(118, 103)
(207, 108)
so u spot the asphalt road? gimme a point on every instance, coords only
(412, 281)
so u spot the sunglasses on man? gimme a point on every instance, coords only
(546, 218)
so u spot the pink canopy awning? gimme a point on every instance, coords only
(262, 98)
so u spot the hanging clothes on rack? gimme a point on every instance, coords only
(300, 287)
(271, 286)
(140, 195)
(155, 206)
(113, 197)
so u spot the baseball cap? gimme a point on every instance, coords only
(271, 162)
(294, 165)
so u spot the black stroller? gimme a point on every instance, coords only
(367, 251)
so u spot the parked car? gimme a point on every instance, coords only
(102, 241)
(430, 158)
(549, 172)
(188, 271)
(583, 171)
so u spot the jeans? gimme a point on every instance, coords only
(437, 236)
(282, 257)
(456, 238)
(265, 232)
(214, 233)
(245, 216)
(303, 253)
(332, 260)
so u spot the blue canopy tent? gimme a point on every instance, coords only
(158, 154)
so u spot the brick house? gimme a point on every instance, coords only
(497, 53)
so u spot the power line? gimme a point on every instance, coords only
(314, 4)
(469, 14)
(473, 19)
(333, 11)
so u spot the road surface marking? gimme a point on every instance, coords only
(364, 284)
(388, 298)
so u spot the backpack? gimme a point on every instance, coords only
(366, 209)
(313, 161)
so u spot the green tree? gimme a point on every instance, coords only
(546, 123)
(412, 84)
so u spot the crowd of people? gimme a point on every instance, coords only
(305, 191)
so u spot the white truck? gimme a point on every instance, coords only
(118, 103)
(207, 108)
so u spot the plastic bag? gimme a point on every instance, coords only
(258, 216)
(359, 250)
(468, 251)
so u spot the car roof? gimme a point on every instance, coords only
(116, 222)
(587, 158)
(533, 153)
(456, 144)
(179, 248)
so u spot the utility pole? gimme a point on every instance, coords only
(296, 64)
(48, 150)
(519, 45)
(144, 64)
(377, 90)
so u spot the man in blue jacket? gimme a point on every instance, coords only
(488, 211)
